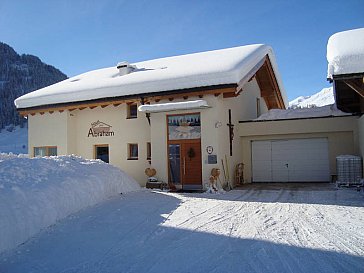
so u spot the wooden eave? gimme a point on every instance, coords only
(228, 90)
(269, 88)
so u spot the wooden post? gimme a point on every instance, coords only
(231, 133)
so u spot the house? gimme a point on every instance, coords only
(186, 115)
(179, 114)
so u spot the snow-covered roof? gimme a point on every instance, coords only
(225, 66)
(316, 112)
(173, 106)
(345, 52)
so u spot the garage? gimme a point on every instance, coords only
(290, 160)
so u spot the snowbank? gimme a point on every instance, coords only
(325, 111)
(345, 52)
(36, 192)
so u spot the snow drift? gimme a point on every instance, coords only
(37, 192)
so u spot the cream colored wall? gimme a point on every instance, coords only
(243, 107)
(125, 131)
(342, 135)
(48, 130)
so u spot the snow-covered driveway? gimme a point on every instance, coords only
(241, 231)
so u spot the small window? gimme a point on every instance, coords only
(102, 152)
(133, 151)
(149, 151)
(132, 111)
(258, 107)
(45, 151)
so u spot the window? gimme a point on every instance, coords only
(132, 111)
(258, 107)
(149, 151)
(102, 152)
(45, 151)
(133, 151)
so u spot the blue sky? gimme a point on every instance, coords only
(81, 35)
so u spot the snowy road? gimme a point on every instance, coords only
(240, 231)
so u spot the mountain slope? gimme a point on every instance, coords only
(322, 98)
(21, 74)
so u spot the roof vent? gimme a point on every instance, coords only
(125, 68)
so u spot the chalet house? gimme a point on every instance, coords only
(179, 114)
(186, 115)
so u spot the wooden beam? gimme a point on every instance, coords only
(229, 95)
(356, 85)
(93, 105)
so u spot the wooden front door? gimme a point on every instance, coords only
(192, 165)
(185, 166)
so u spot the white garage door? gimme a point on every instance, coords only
(294, 160)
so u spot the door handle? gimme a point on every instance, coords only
(184, 165)
(287, 165)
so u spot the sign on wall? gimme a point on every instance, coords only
(100, 129)
(184, 127)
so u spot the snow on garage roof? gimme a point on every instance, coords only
(224, 66)
(345, 52)
(302, 113)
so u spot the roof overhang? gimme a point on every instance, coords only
(173, 106)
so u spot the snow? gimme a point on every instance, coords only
(173, 106)
(37, 192)
(316, 112)
(308, 229)
(322, 98)
(225, 66)
(345, 52)
(14, 142)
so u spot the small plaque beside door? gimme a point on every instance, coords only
(211, 159)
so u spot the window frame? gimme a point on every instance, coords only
(47, 148)
(149, 151)
(130, 157)
(128, 114)
(101, 146)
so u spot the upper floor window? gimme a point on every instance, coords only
(132, 110)
(45, 151)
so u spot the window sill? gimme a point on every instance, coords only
(133, 158)
(131, 117)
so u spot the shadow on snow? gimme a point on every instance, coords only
(128, 236)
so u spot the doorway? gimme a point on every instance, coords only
(102, 152)
(185, 166)
(184, 150)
